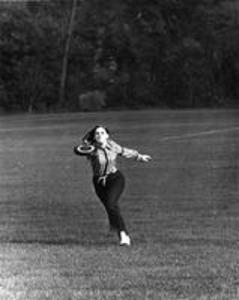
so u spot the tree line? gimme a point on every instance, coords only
(138, 53)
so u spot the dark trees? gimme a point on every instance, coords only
(174, 53)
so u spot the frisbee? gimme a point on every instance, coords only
(84, 149)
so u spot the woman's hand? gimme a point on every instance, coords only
(144, 157)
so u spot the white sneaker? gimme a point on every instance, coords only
(124, 239)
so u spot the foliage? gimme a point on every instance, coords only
(175, 53)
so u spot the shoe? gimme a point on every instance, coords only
(124, 239)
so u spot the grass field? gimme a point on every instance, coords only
(182, 209)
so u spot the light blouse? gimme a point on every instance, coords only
(103, 160)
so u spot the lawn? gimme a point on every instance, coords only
(181, 209)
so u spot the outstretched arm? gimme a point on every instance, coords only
(130, 153)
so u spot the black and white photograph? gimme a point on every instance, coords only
(119, 150)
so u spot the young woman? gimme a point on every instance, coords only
(108, 181)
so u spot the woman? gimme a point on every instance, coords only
(108, 181)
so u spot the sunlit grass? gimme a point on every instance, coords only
(181, 210)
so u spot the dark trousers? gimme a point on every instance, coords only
(109, 193)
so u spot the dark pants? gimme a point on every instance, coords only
(109, 194)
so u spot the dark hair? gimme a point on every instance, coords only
(89, 137)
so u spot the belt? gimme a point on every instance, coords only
(104, 177)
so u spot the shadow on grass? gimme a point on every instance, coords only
(201, 242)
(191, 242)
(60, 242)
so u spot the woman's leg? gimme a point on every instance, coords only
(115, 184)
(109, 195)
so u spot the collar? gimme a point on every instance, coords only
(107, 146)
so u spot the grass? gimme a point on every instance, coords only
(182, 209)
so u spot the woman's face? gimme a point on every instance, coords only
(101, 135)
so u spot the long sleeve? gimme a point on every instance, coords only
(129, 153)
(123, 151)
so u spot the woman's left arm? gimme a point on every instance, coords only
(131, 153)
